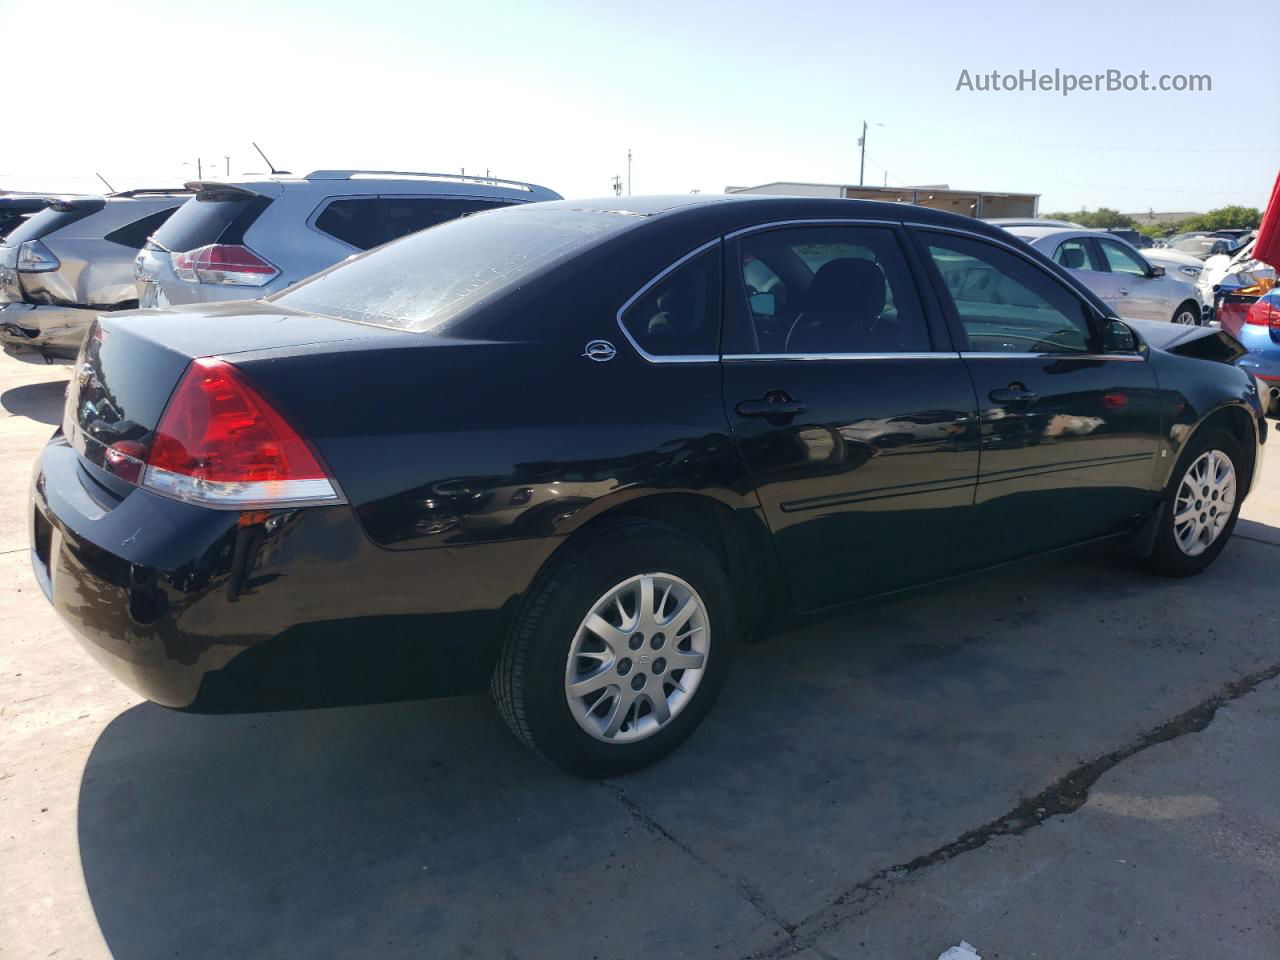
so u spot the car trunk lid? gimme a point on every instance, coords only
(131, 362)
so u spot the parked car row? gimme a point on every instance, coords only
(578, 450)
(214, 240)
(71, 261)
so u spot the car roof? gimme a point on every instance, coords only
(728, 212)
(1031, 222)
(333, 182)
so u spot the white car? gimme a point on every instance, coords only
(1131, 285)
(1181, 265)
(1240, 266)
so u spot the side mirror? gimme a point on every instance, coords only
(1118, 337)
(1156, 270)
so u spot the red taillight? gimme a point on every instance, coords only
(1263, 313)
(220, 443)
(1231, 316)
(230, 264)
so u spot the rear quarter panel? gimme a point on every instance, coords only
(444, 443)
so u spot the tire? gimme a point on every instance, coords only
(531, 682)
(1188, 314)
(1169, 557)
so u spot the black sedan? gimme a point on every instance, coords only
(578, 450)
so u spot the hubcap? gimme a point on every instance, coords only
(1204, 503)
(637, 658)
(1187, 318)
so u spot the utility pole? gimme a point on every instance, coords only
(199, 170)
(228, 159)
(628, 171)
(617, 186)
(862, 142)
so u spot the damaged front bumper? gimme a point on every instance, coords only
(44, 333)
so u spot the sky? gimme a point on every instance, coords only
(704, 95)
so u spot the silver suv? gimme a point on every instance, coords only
(248, 239)
(62, 266)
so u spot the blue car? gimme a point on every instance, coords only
(1259, 332)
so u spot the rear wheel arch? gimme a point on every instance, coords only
(737, 538)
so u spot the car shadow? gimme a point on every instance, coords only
(41, 402)
(837, 750)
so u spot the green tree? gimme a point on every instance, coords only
(1223, 218)
(1101, 219)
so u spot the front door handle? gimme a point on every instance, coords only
(775, 403)
(1015, 393)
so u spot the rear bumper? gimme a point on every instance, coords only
(215, 611)
(40, 333)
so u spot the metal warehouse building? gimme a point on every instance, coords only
(971, 203)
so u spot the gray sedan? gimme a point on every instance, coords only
(1132, 286)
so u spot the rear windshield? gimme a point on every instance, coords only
(210, 218)
(423, 281)
(48, 220)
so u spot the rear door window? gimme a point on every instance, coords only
(824, 290)
(1077, 255)
(353, 220)
(367, 222)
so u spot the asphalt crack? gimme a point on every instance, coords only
(1061, 798)
(744, 889)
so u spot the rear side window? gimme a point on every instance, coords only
(367, 222)
(208, 217)
(134, 235)
(1004, 303)
(680, 314)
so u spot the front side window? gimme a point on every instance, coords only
(1122, 260)
(1005, 303)
(680, 314)
(825, 290)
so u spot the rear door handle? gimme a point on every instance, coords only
(1013, 394)
(773, 404)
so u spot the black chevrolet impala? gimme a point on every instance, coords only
(578, 450)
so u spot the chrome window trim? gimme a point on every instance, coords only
(675, 358)
(998, 355)
(816, 222)
(938, 355)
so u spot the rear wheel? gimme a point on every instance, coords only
(1201, 506)
(619, 651)
(1187, 314)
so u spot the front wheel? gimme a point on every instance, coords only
(1187, 314)
(1201, 506)
(619, 651)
